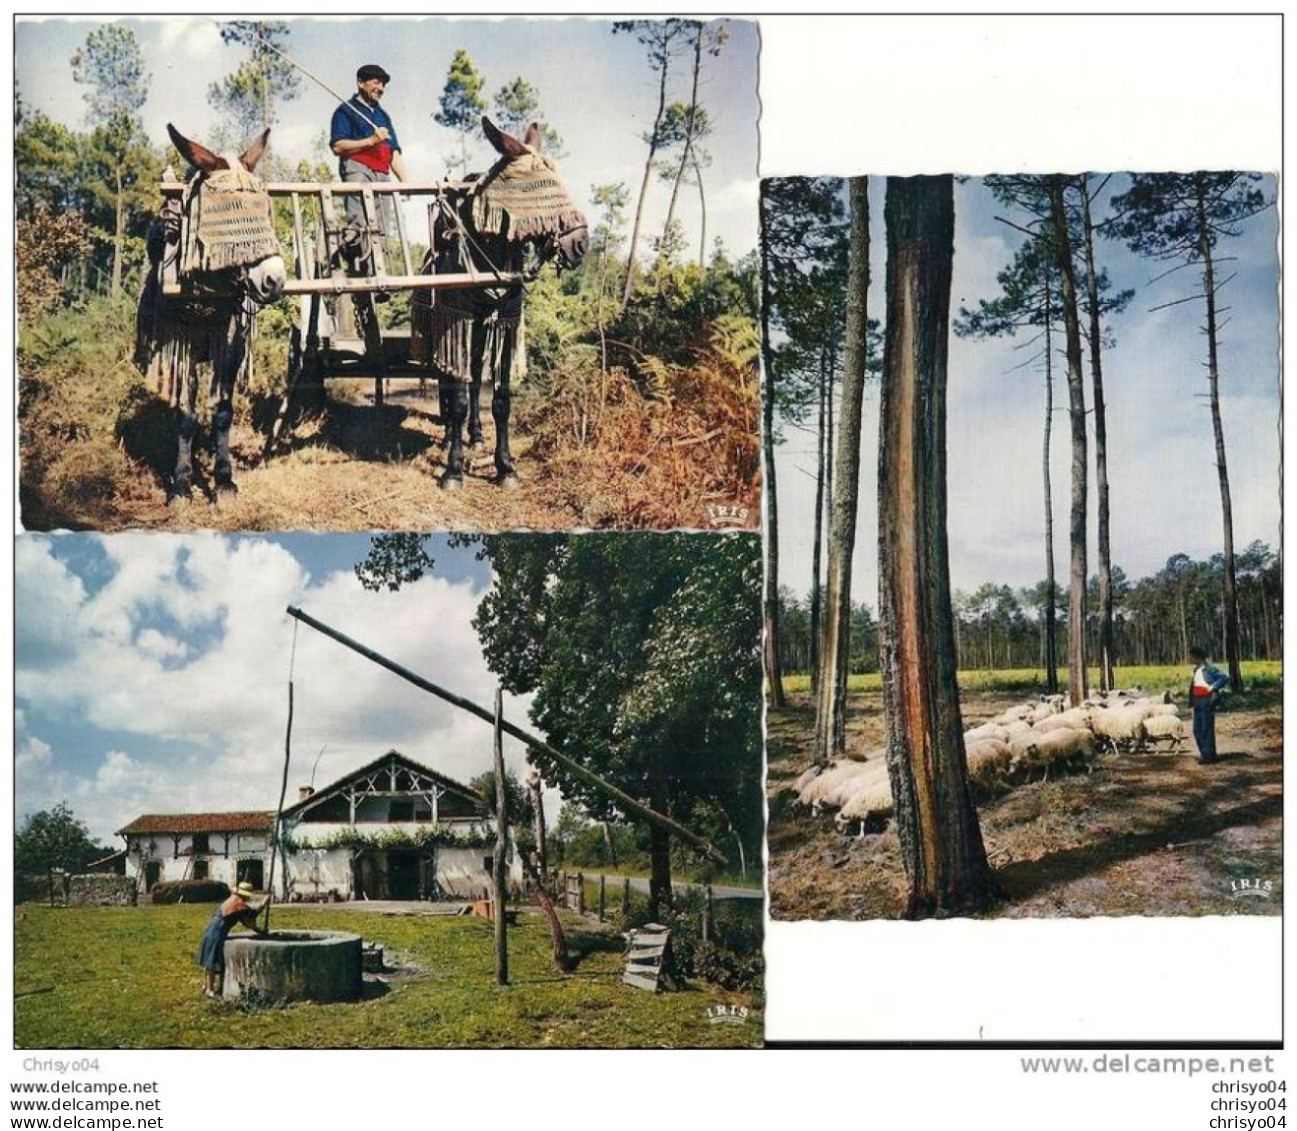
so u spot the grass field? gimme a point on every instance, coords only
(1153, 678)
(126, 978)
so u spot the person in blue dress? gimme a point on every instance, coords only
(1205, 690)
(211, 949)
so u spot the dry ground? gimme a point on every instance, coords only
(1143, 834)
(355, 466)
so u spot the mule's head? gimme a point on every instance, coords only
(530, 190)
(235, 234)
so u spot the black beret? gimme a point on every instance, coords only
(372, 71)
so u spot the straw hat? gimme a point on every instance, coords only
(245, 890)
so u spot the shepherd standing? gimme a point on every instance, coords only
(1205, 690)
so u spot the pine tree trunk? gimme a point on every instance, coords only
(659, 847)
(1076, 608)
(1232, 655)
(702, 211)
(654, 141)
(119, 236)
(1051, 582)
(770, 612)
(830, 714)
(1107, 638)
(689, 134)
(941, 842)
(817, 589)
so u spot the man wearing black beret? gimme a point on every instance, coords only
(364, 140)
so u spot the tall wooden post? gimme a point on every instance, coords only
(501, 848)
(580, 893)
(707, 914)
(602, 896)
(625, 898)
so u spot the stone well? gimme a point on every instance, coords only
(318, 966)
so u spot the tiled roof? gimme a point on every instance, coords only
(245, 822)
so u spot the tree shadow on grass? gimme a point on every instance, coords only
(581, 944)
(1191, 822)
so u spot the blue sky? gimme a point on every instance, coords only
(151, 670)
(1161, 456)
(596, 89)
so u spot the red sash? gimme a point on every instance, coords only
(378, 157)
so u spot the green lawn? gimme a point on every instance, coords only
(126, 978)
(1153, 678)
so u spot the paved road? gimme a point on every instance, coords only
(719, 891)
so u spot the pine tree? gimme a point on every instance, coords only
(461, 106)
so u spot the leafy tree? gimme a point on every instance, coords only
(1182, 216)
(45, 238)
(643, 655)
(517, 105)
(661, 40)
(111, 65)
(941, 842)
(54, 838)
(461, 106)
(248, 97)
(517, 800)
(685, 123)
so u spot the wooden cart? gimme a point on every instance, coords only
(343, 337)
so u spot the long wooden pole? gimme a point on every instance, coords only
(501, 847)
(276, 832)
(575, 768)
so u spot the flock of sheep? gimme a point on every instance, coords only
(1010, 748)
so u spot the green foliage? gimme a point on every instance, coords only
(394, 560)
(110, 63)
(45, 238)
(643, 654)
(461, 105)
(247, 97)
(54, 838)
(517, 105)
(1159, 215)
(517, 801)
(431, 836)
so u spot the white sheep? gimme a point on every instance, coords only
(988, 762)
(1067, 720)
(1119, 727)
(1058, 747)
(831, 788)
(871, 802)
(1164, 728)
(986, 730)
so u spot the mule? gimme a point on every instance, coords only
(218, 240)
(516, 216)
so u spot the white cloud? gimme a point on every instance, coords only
(194, 39)
(221, 711)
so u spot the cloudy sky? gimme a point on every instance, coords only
(152, 671)
(1161, 454)
(596, 89)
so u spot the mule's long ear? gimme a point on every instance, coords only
(504, 144)
(532, 138)
(197, 155)
(253, 153)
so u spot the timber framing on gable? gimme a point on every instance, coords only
(392, 776)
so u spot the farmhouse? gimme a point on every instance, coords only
(393, 829)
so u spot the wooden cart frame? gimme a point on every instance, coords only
(351, 342)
